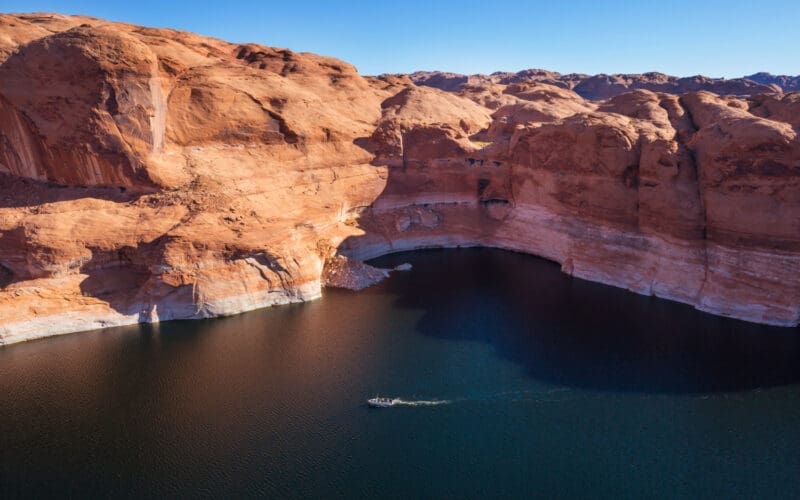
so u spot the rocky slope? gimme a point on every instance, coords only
(150, 174)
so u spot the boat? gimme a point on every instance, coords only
(380, 402)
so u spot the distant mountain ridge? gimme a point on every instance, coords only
(786, 82)
(603, 86)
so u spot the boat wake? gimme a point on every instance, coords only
(429, 402)
(555, 395)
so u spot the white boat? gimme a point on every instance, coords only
(380, 402)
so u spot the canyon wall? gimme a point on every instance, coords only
(150, 174)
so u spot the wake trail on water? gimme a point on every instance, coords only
(549, 396)
(535, 396)
(423, 402)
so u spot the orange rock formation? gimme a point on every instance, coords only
(150, 174)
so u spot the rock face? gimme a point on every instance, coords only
(151, 174)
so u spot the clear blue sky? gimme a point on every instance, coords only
(716, 38)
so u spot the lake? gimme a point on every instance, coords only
(516, 381)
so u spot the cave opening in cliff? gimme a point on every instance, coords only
(6, 276)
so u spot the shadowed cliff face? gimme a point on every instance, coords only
(151, 174)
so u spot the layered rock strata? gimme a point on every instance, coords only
(153, 174)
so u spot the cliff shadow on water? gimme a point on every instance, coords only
(576, 333)
(562, 329)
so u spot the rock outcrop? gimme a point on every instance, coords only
(150, 174)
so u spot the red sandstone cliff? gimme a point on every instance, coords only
(153, 174)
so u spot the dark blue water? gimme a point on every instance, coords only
(549, 387)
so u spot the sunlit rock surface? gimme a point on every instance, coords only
(150, 174)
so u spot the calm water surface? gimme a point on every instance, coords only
(548, 386)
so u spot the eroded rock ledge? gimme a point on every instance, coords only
(150, 174)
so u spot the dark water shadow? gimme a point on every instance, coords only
(576, 333)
